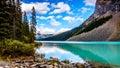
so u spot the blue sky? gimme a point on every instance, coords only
(56, 16)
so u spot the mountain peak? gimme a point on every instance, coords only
(103, 6)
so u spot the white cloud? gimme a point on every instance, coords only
(45, 30)
(69, 19)
(63, 30)
(59, 16)
(90, 2)
(42, 24)
(41, 8)
(45, 18)
(84, 9)
(41, 17)
(73, 19)
(60, 8)
(49, 17)
(53, 22)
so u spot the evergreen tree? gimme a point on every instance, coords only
(10, 20)
(33, 25)
(25, 20)
(33, 20)
(11, 26)
(5, 15)
(25, 24)
(17, 20)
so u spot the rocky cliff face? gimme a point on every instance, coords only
(108, 31)
(102, 7)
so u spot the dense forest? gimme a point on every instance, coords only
(17, 34)
(14, 23)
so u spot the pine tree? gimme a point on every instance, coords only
(10, 20)
(25, 24)
(17, 23)
(11, 26)
(33, 25)
(5, 15)
(33, 21)
(25, 20)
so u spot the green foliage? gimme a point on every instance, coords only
(26, 34)
(15, 48)
(25, 39)
(33, 22)
(28, 50)
(9, 20)
(14, 34)
(31, 36)
(11, 25)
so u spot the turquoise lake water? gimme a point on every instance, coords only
(103, 52)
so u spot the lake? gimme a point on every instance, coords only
(103, 52)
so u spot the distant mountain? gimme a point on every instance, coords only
(102, 25)
(42, 36)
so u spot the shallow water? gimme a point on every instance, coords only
(103, 52)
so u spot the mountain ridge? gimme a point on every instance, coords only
(103, 8)
(106, 32)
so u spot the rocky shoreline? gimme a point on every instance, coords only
(40, 62)
(32, 64)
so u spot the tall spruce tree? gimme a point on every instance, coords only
(25, 24)
(5, 17)
(17, 20)
(10, 19)
(33, 20)
(25, 20)
(11, 26)
(33, 24)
